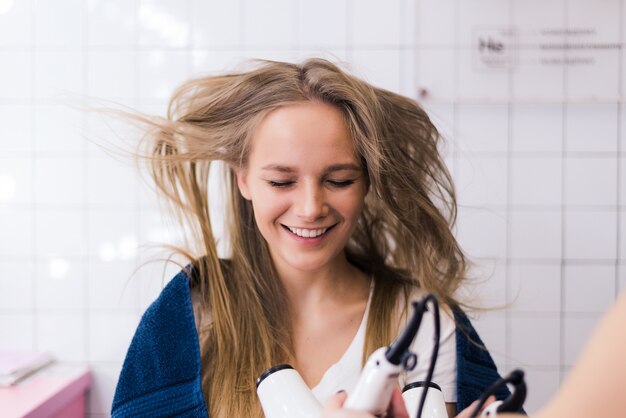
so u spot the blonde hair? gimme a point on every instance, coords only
(403, 237)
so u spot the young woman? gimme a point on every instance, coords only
(340, 211)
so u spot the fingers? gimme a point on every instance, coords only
(333, 407)
(335, 402)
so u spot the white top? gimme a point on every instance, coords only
(344, 374)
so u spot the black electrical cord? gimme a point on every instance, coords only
(431, 368)
(514, 402)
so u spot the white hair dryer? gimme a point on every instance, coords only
(283, 393)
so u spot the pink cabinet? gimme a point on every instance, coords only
(57, 391)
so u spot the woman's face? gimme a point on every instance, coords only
(306, 185)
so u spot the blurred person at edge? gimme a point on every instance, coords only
(340, 211)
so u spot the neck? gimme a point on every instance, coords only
(311, 291)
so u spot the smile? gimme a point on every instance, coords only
(308, 233)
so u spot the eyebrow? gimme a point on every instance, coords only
(329, 169)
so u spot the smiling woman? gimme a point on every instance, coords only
(306, 186)
(340, 212)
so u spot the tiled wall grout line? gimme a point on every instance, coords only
(509, 201)
(563, 205)
(33, 119)
(85, 124)
(620, 107)
(138, 102)
(349, 30)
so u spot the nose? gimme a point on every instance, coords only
(311, 203)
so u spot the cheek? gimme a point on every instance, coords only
(267, 207)
(351, 206)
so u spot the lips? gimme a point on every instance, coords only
(310, 233)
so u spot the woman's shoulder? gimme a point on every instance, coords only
(163, 357)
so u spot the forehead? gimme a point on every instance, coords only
(305, 134)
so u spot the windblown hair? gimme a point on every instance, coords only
(403, 237)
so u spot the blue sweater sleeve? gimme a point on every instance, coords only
(161, 375)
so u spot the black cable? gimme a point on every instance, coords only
(431, 368)
(514, 402)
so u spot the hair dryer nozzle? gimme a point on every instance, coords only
(399, 348)
(283, 394)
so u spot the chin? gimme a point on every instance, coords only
(307, 264)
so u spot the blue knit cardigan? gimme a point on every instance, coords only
(161, 375)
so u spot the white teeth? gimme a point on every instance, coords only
(307, 233)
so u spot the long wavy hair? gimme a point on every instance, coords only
(403, 239)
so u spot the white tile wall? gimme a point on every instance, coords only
(112, 235)
(60, 284)
(376, 24)
(16, 229)
(109, 335)
(60, 233)
(380, 67)
(588, 288)
(482, 181)
(535, 288)
(535, 152)
(590, 181)
(527, 173)
(112, 75)
(16, 129)
(17, 284)
(113, 183)
(482, 128)
(544, 338)
(591, 127)
(113, 285)
(64, 335)
(537, 128)
(17, 180)
(163, 23)
(436, 70)
(277, 27)
(65, 189)
(59, 23)
(57, 73)
(535, 235)
(160, 72)
(16, 82)
(58, 130)
(482, 232)
(312, 16)
(590, 235)
(111, 22)
(16, 25)
(437, 24)
(20, 327)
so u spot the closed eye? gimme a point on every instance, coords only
(343, 183)
(280, 183)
